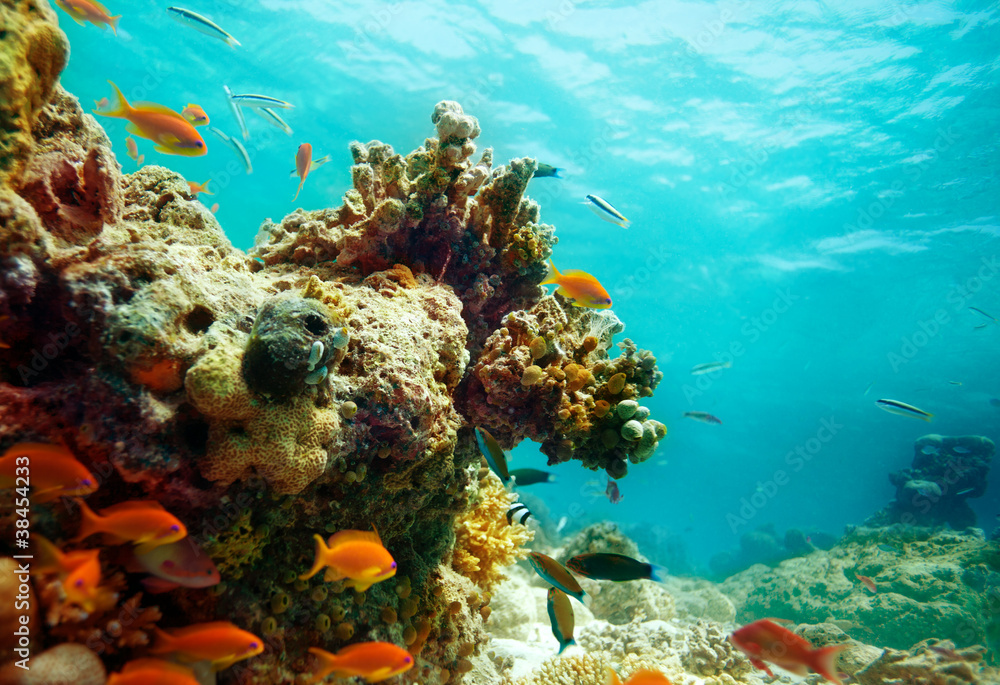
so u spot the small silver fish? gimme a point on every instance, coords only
(202, 25)
(904, 409)
(237, 112)
(271, 117)
(263, 101)
(966, 491)
(958, 449)
(699, 369)
(606, 211)
(236, 146)
(929, 449)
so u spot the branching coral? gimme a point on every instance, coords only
(710, 653)
(484, 542)
(544, 376)
(573, 669)
(928, 664)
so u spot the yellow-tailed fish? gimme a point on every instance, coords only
(89, 10)
(561, 617)
(579, 286)
(904, 409)
(144, 523)
(219, 642)
(132, 148)
(495, 456)
(603, 209)
(171, 132)
(202, 25)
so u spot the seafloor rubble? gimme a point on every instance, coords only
(327, 380)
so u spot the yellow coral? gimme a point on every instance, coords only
(283, 442)
(578, 669)
(484, 541)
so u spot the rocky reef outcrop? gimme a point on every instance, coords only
(329, 379)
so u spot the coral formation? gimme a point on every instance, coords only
(484, 541)
(929, 664)
(946, 472)
(763, 545)
(65, 664)
(935, 583)
(710, 653)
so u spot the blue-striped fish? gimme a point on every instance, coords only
(561, 617)
(202, 25)
(264, 101)
(904, 409)
(709, 367)
(606, 211)
(271, 117)
(237, 112)
(236, 147)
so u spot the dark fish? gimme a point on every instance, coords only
(532, 476)
(702, 416)
(617, 567)
(546, 171)
(495, 456)
(555, 574)
(561, 617)
(903, 409)
(518, 512)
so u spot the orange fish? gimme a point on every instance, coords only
(195, 114)
(145, 523)
(220, 642)
(153, 672)
(640, 677)
(171, 132)
(79, 571)
(303, 160)
(868, 583)
(200, 188)
(373, 661)
(89, 10)
(176, 564)
(50, 470)
(578, 286)
(353, 554)
(215, 208)
(765, 640)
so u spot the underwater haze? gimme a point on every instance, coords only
(811, 187)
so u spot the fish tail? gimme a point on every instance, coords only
(120, 108)
(824, 662)
(927, 418)
(564, 645)
(611, 678)
(299, 189)
(555, 173)
(90, 522)
(113, 23)
(319, 563)
(164, 642)
(553, 274)
(232, 42)
(657, 573)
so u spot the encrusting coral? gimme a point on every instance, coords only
(327, 381)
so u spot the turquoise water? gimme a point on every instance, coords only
(812, 190)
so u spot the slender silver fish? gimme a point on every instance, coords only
(603, 209)
(237, 112)
(202, 25)
(271, 117)
(236, 146)
(254, 100)
(904, 409)
(699, 369)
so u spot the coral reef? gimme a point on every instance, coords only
(929, 584)
(929, 664)
(946, 471)
(546, 375)
(710, 653)
(65, 664)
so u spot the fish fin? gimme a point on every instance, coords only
(555, 172)
(50, 556)
(611, 678)
(552, 276)
(90, 522)
(299, 190)
(824, 662)
(164, 642)
(321, 552)
(565, 293)
(232, 42)
(343, 536)
(157, 586)
(359, 585)
(113, 23)
(120, 109)
(657, 573)
(564, 645)
(927, 418)
(159, 109)
(147, 547)
(43, 496)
